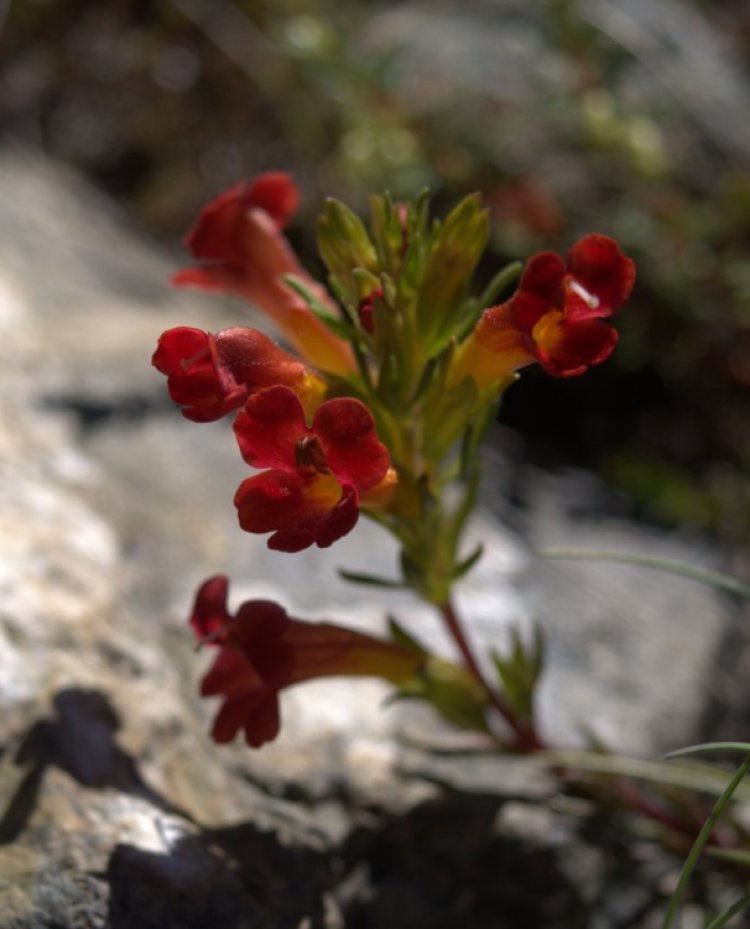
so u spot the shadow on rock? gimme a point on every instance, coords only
(79, 740)
(445, 865)
(234, 879)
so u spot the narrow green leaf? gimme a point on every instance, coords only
(730, 855)
(466, 507)
(463, 567)
(703, 778)
(702, 575)
(734, 910)
(344, 244)
(711, 748)
(402, 637)
(500, 282)
(370, 580)
(696, 851)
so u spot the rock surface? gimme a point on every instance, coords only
(115, 808)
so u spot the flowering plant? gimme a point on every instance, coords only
(395, 373)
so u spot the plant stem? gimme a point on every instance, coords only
(695, 852)
(733, 911)
(527, 740)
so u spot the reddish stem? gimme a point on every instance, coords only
(527, 739)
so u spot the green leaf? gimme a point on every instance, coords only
(500, 282)
(387, 233)
(705, 748)
(388, 381)
(401, 637)
(370, 580)
(519, 671)
(466, 507)
(457, 245)
(688, 775)
(703, 576)
(477, 429)
(344, 246)
(340, 327)
(463, 567)
(366, 282)
(446, 416)
(452, 691)
(696, 851)
(742, 904)
(730, 855)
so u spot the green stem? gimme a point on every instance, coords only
(697, 850)
(733, 911)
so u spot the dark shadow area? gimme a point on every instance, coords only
(79, 740)
(445, 865)
(90, 414)
(233, 879)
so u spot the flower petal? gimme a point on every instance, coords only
(196, 378)
(231, 674)
(215, 233)
(567, 349)
(276, 193)
(597, 264)
(209, 277)
(346, 430)
(302, 511)
(259, 630)
(210, 615)
(539, 291)
(269, 428)
(175, 345)
(497, 331)
(253, 359)
(256, 712)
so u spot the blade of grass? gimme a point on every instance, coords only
(706, 748)
(702, 575)
(696, 851)
(733, 911)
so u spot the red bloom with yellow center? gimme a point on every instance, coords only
(238, 241)
(263, 650)
(311, 493)
(211, 375)
(556, 315)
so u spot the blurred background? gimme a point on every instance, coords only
(628, 118)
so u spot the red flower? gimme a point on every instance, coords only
(555, 316)
(263, 650)
(211, 375)
(311, 492)
(238, 240)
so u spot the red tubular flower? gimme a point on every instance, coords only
(555, 316)
(238, 240)
(262, 650)
(317, 473)
(211, 375)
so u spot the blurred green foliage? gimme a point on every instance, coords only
(567, 115)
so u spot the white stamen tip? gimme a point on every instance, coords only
(589, 299)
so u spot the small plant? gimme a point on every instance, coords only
(395, 373)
